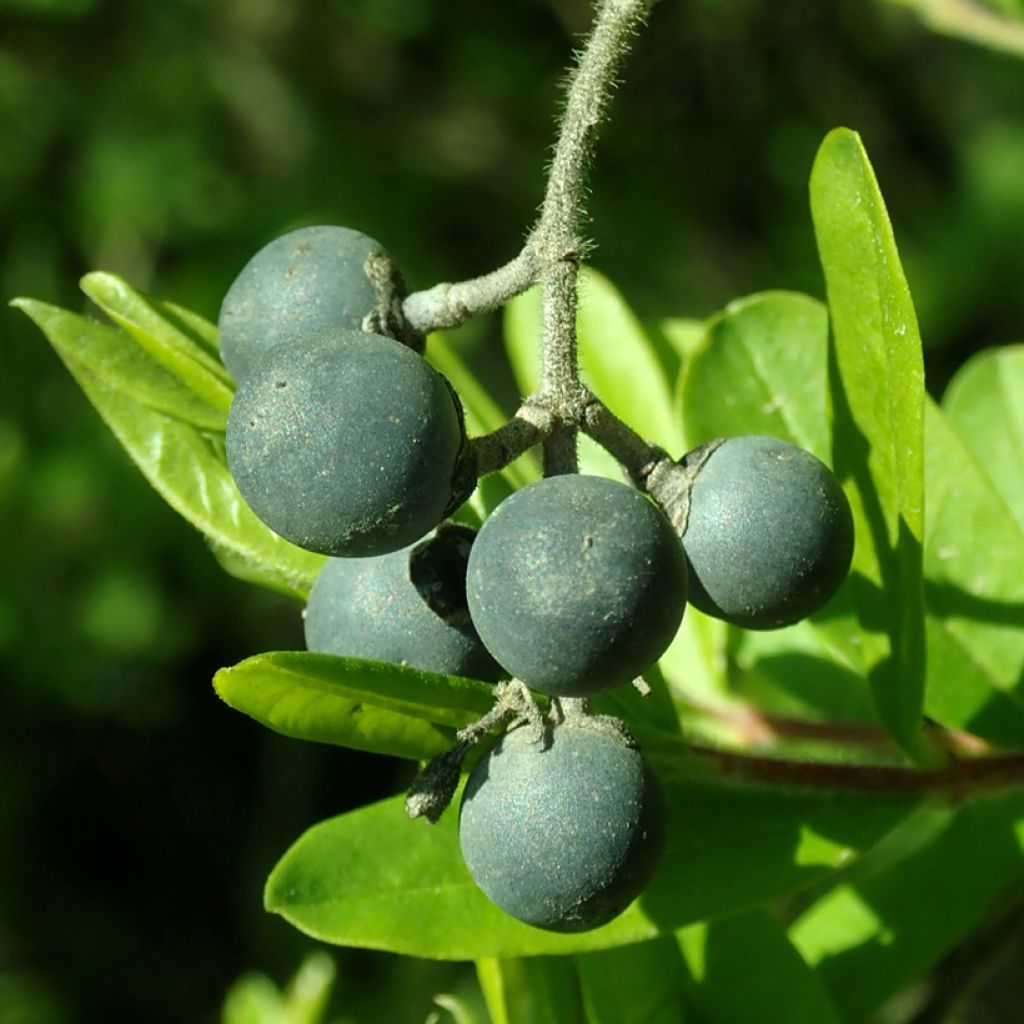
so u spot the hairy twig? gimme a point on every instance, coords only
(449, 305)
(555, 239)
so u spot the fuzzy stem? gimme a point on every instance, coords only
(556, 237)
(588, 94)
(531, 425)
(449, 305)
(639, 458)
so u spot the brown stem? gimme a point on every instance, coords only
(955, 781)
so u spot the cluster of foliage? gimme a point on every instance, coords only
(850, 918)
(930, 619)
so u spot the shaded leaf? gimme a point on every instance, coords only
(870, 938)
(637, 984)
(762, 370)
(198, 328)
(876, 379)
(537, 990)
(795, 673)
(777, 983)
(365, 705)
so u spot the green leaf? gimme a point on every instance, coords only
(458, 1009)
(870, 938)
(761, 370)
(974, 619)
(538, 990)
(731, 847)
(876, 382)
(974, 563)
(685, 336)
(198, 328)
(309, 992)
(184, 464)
(372, 878)
(620, 362)
(776, 983)
(172, 347)
(365, 705)
(794, 673)
(637, 984)
(985, 404)
(253, 999)
(695, 664)
(116, 360)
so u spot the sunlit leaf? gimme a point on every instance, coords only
(114, 358)
(974, 565)
(172, 347)
(372, 878)
(184, 464)
(619, 360)
(985, 404)
(876, 381)
(365, 705)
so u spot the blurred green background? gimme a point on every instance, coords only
(166, 141)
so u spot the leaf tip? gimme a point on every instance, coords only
(93, 279)
(220, 683)
(32, 308)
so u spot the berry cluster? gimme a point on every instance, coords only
(342, 439)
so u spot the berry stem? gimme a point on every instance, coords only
(450, 305)
(638, 457)
(531, 425)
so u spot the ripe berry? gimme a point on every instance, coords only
(563, 836)
(769, 535)
(576, 584)
(407, 608)
(345, 443)
(305, 281)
